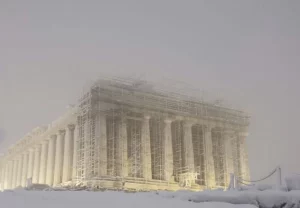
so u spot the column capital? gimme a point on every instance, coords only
(18, 157)
(25, 153)
(229, 134)
(188, 123)
(168, 120)
(31, 149)
(61, 132)
(207, 127)
(147, 117)
(44, 142)
(123, 120)
(53, 136)
(37, 147)
(71, 127)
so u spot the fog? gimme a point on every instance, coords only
(244, 52)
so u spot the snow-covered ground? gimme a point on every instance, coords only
(180, 199)
(107, 199)
(263, 199)
(262, 196)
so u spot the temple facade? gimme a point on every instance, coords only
(129, 135)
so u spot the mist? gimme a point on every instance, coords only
(243, 52)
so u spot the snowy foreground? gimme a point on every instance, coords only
(262, 199)
(182, 199)
(67, 199)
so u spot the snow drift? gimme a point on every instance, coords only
(293, 182)
(262, 199)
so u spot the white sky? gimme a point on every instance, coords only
(246, 52)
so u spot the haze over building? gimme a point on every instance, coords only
(127, 134)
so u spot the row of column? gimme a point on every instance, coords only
(122, 150)
(50, 162)
(189, 154)
(53, 160)
(188, 159)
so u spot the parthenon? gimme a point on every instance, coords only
(126, 134)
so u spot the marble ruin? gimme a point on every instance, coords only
(125, 134)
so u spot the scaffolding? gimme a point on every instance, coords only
(134, 139)
(177, 140)
(157, 150)
(219, 156)
(124, 103)
(236, 154)
(199, 153)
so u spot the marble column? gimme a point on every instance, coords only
(2, 176)
(43, 162)
(75, 151)
(68, 154)
(210, 166)
(14, 173)
(30, 164)
(36, 166)
(228, 138)
(51, 160)
(58, 167)
(86, 145)
(168, 151)
(146, 151)
(10, 175)
(19, 171)
(103, 145)
(122, 149)
(188, 146)
(6, 176)
(243, 155)
(24, 169)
